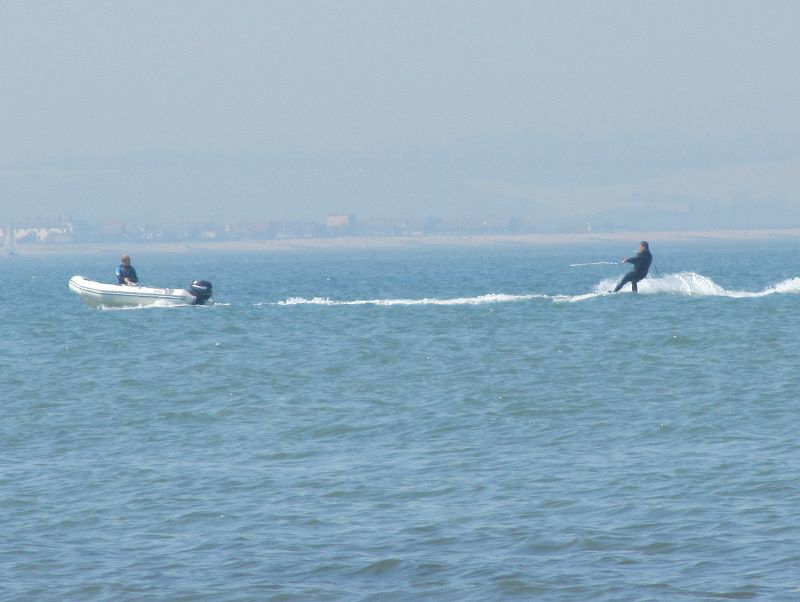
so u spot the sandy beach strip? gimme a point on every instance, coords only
(403, 242)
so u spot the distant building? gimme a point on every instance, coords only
(45, 234)
(340, 221)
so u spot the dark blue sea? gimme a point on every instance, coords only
(405, 424)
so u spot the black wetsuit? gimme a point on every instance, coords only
(641, 263)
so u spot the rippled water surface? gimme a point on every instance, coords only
(432, 424)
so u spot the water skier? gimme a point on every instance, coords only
(641, 263)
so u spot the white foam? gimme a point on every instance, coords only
(683, 283)
(576, 298)
(690, 284)
(479, 300)
(694, 284)
(790, 286)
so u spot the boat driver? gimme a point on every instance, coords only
(126, 274)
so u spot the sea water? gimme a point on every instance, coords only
(405, 424)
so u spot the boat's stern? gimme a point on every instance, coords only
(201, 291)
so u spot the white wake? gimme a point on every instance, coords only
(696, 285)
(690, 284)
(480, 300)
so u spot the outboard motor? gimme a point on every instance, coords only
(201, 291)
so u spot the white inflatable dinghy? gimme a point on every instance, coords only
(99, 294)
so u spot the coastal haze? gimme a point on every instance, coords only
(621, 116)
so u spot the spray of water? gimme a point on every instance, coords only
(690, 284)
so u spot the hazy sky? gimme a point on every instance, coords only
(158, 111)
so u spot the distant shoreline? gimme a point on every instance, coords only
(403, 242)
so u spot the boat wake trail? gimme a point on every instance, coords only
(688, 284)
(480, 300)
(697, 285)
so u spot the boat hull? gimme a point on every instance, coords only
(99, 294)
